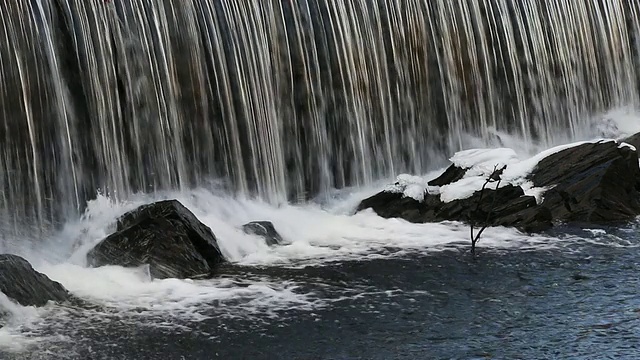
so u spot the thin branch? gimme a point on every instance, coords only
(495, 175)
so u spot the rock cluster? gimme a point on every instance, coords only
(164, 235)
(169, 239)
(592, 183)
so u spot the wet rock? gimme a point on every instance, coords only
(588, 183)
(394, 204)
(523, 213)
(506, 206)
(264, 229)
(164, 235)
(449, 176)
(22, 284)
(633, 140)
(478, 210)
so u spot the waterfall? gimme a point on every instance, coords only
(286, 99)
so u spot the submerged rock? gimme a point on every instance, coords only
(22, 284)
(588, 183)
(164, 235)
(264, 229)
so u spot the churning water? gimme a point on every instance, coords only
(293, 112)
(347, 287)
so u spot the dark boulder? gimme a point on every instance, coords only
(22, 284)
(166, 236)
(389, 204)
(633, 140)
(588, 183)
(449, 176)
(264, 229)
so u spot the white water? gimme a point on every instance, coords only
(318, 233)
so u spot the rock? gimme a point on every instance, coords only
(264, 229)
(476, 210)
(22, 284)
(523, 213)
(591, 183)
(394, 204)
(633, 140)
(588, 183)
(506, 206)
(449, 176)
(164, 235)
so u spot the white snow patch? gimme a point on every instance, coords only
(480, 164)
(536, 192)
(410, 186)
(465, 187)
(624, 144)
(517, 172)
(483, 161)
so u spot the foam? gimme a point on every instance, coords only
(618, 123)
(132, 289)
(15, 317)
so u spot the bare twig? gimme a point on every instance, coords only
(495, 176)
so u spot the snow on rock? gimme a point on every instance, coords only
(483, 161)
(516, 173)
(624, 144)
(466, 187)
(591, 181)
(410, 186)
(633, 140)
(480, 163)
(536, 192)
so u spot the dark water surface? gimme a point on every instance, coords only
(578, 301)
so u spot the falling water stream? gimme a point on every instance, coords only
(285, 100)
